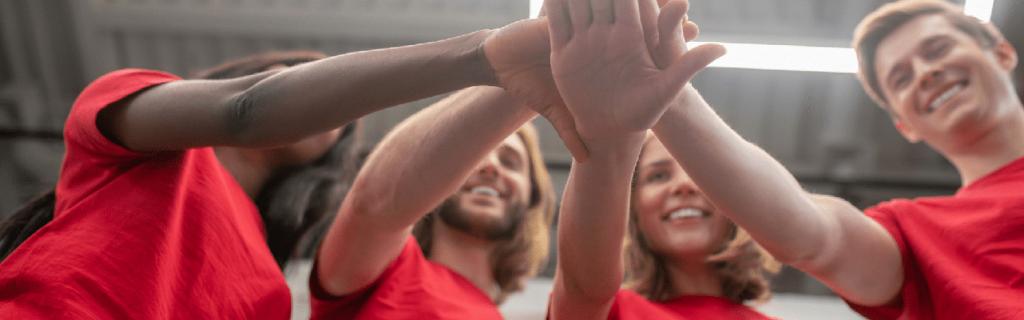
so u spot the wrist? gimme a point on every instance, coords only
(615, 148)
(472, 56)
(684, 103)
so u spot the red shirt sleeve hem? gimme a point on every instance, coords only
(111, 88)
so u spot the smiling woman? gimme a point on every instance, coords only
(679, 245)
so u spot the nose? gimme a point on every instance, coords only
(488, 168)
(932, 78)
(685, 188)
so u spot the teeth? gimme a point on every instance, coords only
(944, 97)
(685, 213)
(484, 190)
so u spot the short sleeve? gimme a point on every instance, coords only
(81, 133)
(324, 305)
(885, 215)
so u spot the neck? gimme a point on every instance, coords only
(467, 255)
(248, 167)
(991, 151)
(693, 277)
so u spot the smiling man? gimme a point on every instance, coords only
(945, 79)
(448, 216)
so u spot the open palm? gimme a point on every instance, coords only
(606, 71)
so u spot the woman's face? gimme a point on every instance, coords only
(673, 215)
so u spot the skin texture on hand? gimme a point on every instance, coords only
(519, 54)
(605, 71)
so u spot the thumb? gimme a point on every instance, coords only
(693, 61)
(565, 126)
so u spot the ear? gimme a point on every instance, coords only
(907, 132)
(1006, 55)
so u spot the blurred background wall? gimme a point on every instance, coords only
(820, 125)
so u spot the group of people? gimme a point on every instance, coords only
(186, 198)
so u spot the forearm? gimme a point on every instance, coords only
(427, 157)
(420, 163)
(746, 183)
(592, 224)
(332, 92)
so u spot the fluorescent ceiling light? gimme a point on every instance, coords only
(981, 9)
(799, 58)
(535, 6)
(786, 57)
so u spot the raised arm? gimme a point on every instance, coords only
(615, 90)
(419, 164)
(824, 236)
(278, 107)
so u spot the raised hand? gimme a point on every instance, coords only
(519, 54)
(605, 70)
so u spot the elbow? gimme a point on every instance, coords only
(239, 117)
(593, 290)
(242, 125)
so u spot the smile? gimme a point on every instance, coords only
(484, 190)
(685, 213)
(945, 96)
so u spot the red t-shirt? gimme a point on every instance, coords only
(142, 235)
(963, 255)
(629, 305)
(411, 287)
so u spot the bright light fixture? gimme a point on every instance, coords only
(799, 58)
(981, 9)
(786, 57)
(535, 6)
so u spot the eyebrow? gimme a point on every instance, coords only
(519, 153)
(659, 163)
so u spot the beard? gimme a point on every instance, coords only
(489, 228)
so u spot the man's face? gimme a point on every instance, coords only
(493, 200)
(942, 85)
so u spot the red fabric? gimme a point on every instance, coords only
(629, 305)
(963, 255)
(411, 287)
(142, 235)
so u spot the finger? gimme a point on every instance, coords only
(559, 25)
(670, 33)
(571, 138)
(690, 30)
(627, 13)
(649, 22)
(688, 65)
(579, 12)
(565, 126)
(601, 11)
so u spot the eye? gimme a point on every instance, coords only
(511, 160)
(937, 49)
(900, 80)
(656, 176)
